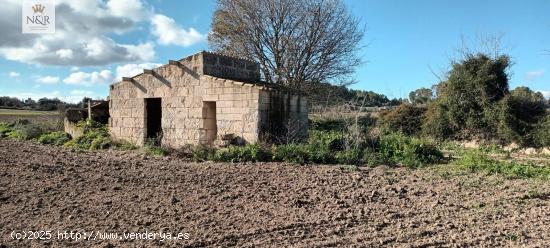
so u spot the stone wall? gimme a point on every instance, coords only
(184, 89)
(283, 116)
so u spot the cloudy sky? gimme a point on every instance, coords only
(98, 41)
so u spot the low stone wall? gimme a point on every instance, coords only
(72, 128)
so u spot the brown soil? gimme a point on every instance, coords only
(263, 204)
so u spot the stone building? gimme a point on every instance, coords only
(205, 98)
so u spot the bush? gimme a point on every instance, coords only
(26, 131)
(541, 134)
(411, 152)
(349, 157)
(322, 146)
(291, 153)
(54, 138)
(156, 151)
(5, 128)
(466, 101)
(437, 123)
(124, 145)
(519, 112)
(202, 153)
(406, 119)
(247, 153)
(372, 158)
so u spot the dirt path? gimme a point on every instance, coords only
(55, 189)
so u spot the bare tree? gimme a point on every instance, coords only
(295, 41)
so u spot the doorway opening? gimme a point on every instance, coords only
(209, 126)
(153, 112)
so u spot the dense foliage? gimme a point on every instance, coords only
(475, 103)
(406, 118)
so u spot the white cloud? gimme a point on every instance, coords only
(13, 74)
(130, 70)
(48, 80)
(81, 92)
(88, 79)
(127, 8)
(65, 53)
(168, 32)
(81, 37)
(75, 68)
(532, 75)
(545, 93)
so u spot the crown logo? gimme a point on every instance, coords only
(38, 8)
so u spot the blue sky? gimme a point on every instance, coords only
(98, 41)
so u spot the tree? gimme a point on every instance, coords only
(421, 96)
(520, 112)
(406, 119)
(295, 41)
(468, 99)
(48, 104)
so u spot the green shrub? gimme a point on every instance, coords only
(54, 138)
(541, 134)
(5, 128)
(323, 145)
(349, 157)
(26, 131)
(291, 153)
(247, 153)
(156, 151)
(477, 161)
(124, 145)
(437, 122)
(372, 158)
(16, 134)
(406, 118)
(202, 153)
(411, 152)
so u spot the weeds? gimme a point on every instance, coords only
(476, 161)
(292, 153)
(156, 151)
(411, 152)
(247, 153)
(124, 145)
(58, 138)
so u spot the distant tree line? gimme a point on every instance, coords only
(45, 104)
(328, 95)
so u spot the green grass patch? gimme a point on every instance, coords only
(478, 161)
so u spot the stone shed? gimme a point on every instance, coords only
(205, 98)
